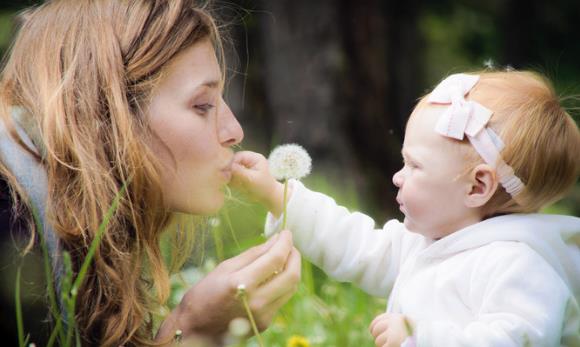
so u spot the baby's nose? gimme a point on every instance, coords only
(398, 178)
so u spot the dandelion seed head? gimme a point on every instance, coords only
(289, 161)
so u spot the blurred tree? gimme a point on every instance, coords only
(381, 80)
(338, 78)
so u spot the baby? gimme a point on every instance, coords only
(473, 263)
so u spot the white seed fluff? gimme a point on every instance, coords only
(289, 161)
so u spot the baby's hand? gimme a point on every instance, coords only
(252, 176)
(390, 330)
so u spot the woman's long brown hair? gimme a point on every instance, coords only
(82, 70)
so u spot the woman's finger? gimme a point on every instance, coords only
(268, 313)
(250, 255)
(281, 283)
(274, 259)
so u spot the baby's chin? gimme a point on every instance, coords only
(416, 229)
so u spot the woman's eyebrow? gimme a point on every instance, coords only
(211, 83)
(208, 84)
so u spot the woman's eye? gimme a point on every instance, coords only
(203, 108)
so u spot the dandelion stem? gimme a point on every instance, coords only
(242, 295)
(284, 204)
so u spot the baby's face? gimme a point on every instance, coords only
(432, 183)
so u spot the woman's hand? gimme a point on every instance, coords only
(270, 272)
(251, 175)
(390, 330)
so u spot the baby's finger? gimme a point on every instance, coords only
(381, 340)
(379, 327)
(377, 319)
(240, 176)
(272, 260)
(248, 159)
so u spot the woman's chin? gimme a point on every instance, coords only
(211, 208)
(202, 207)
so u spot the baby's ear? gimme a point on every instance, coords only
(483, 184)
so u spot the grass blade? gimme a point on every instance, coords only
(96, 241)
(19, 323)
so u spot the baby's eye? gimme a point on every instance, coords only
(410, 164)
(203, 108)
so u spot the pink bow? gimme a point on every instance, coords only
(462, 117)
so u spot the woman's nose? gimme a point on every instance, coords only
(230, 131)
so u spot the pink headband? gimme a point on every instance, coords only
(467, 117)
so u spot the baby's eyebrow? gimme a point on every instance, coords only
(406, 155)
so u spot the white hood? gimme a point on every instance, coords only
(556, 238)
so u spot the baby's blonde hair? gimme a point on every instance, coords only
(542, 141)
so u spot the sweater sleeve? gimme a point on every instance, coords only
(344, 244)
(523, 303)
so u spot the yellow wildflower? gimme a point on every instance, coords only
(298, 341)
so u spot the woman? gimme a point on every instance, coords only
(101, 95)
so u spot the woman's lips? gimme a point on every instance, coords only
(227, 170)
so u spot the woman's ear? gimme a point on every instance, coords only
(483, 184)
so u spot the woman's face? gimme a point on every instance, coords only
(195, 129)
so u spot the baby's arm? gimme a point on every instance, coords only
(344, 244)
